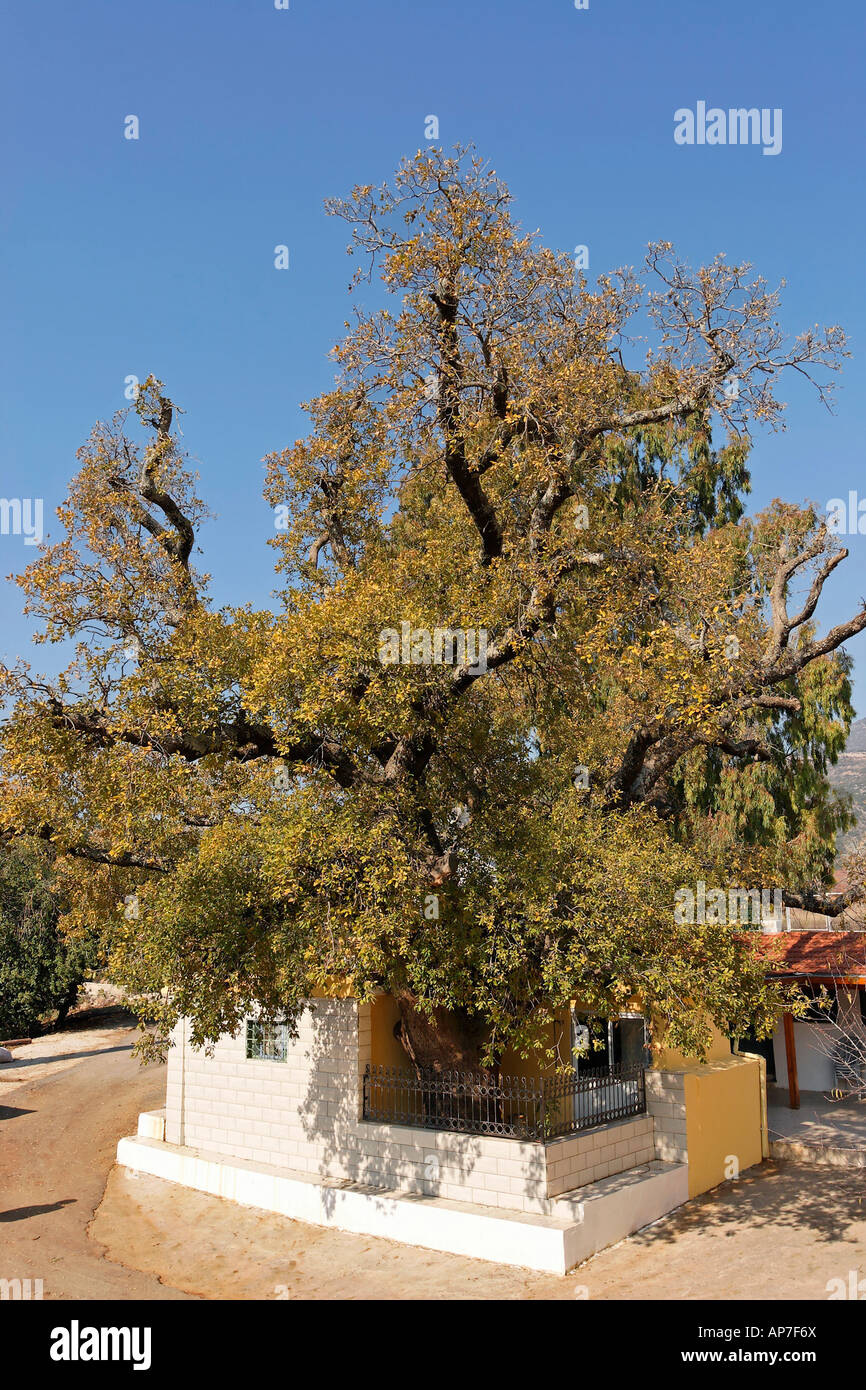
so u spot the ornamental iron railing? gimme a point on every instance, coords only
(508, 1107)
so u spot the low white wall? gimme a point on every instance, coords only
(613, 1148)
(579, 1230)
(304, 1114)
(151, 1125)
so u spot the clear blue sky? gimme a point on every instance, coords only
(156, 255)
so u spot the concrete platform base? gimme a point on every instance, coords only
(584, 1222)
(834, 1157)
(822, 1130)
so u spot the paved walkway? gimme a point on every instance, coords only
(820, 1124)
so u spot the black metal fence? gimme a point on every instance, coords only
(510, 1107)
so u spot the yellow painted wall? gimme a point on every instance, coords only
(724, 1112)
(535, 1066)
(386, 1051)
(669, 1059)
(723, 1119)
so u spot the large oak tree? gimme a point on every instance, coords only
(254, 805)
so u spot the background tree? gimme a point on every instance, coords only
(41, 970)
(484, 840)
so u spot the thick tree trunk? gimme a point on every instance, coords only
(445, 1040)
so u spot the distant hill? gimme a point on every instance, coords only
(849, 775)
(857, 738)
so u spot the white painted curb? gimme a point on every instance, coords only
(550, 1244)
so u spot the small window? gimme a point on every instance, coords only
(267, 1042)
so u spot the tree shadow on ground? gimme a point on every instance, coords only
(23, 1213)
(822, 1200)
(108, 1016)
(24, 1063)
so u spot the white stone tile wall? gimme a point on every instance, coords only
(304, 1114)
(666, 1106)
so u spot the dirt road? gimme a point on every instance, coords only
(58, 1136)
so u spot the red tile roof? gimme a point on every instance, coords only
(836, 954)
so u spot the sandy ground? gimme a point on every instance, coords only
(60, 1119)
(782, 1231)
(217, 1249)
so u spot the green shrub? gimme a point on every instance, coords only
(41, 972)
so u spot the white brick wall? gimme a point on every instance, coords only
(305, 1114)
(598, 1153)
(666, 1105)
